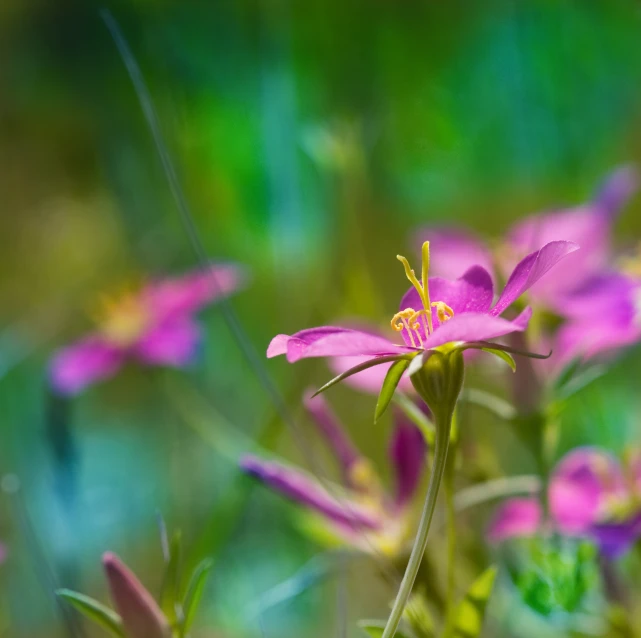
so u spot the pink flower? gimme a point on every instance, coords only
(154, 326)
(598, 302)
(359, 512)
(590, 494)
(434, 312)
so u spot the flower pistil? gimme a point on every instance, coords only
(407, 319)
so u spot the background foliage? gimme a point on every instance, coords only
(311, 139)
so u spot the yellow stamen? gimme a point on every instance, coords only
(398, 319)
(443, 311)
(122, 319)
(408, 319)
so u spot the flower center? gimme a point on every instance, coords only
(631, 264)
(122, 320)
(408, 319)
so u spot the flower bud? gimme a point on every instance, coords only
(141, 616)
(439, 381)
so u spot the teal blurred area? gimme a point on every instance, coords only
(310, 139)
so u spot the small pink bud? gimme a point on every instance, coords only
(141, 616)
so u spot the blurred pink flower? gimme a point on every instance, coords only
(361, 513)
(600, 303)
(154, 326)
(590, 494)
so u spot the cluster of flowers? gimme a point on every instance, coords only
(587, 304)
(594, 299)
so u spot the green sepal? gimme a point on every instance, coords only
(95, 611)
(360, 367)
(194, 593)
(471, 610)
(375, 628)
(438, 378)
(504, 356)
(392, 379)
(169, 594)
(482, 345)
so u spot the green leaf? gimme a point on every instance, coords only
(501, 354)
(471, 610)
(169, 595)
(360, 367)
(194, 593)
(388, 388)
(375, 628)
(92, 609)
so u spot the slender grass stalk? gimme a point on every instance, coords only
(441, 446)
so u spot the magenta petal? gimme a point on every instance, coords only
(580, 486)
(172, 298)
(170, 344)
(454, 251)
(587, 225)
(408, 452)
(333, 432)
(608, 296)
(530, 269)
(517, 517)
(299, 487)
(473, 292)
(475, 326)
(74, 368)
(369, 380)
(330, 341)
(596, 337)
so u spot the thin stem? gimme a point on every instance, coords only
(441, 445)
(450, 512)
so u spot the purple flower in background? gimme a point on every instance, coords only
(589, 225)
(154, 326)
(599, 303)
(590, 495)
(434, 312)
(358, 512)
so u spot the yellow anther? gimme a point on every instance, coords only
(399, 320)
(413, 319)
(443, 311)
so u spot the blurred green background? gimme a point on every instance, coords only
(310, 140)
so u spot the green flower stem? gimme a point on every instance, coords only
(441, 446)
(450, 512)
